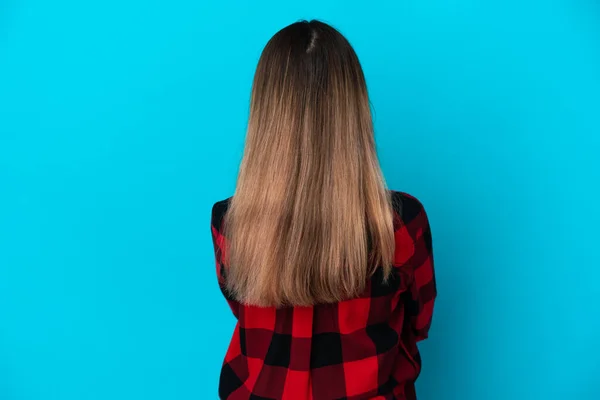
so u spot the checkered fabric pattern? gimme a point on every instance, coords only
(364, 348)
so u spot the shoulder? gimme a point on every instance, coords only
(407, 207)
(219, 209)
(412, 231)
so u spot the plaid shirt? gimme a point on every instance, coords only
(364, 348)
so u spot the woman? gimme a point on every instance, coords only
(329, 274)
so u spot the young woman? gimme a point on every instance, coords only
(329, 273)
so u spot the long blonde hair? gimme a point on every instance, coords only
(311, 218)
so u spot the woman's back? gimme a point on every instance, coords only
(361, 348)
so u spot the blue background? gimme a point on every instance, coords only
(121, 122)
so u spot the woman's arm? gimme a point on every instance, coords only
(219, 245)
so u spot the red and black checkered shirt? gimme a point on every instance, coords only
(364, 348)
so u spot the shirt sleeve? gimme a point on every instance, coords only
(424, 285)
(219, 255)
(415, 253)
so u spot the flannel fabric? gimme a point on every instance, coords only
(363, 348)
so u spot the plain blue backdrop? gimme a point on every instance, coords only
(121, 122)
